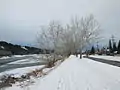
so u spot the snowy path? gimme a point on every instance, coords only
(76, 74)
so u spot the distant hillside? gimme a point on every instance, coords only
(18, 49)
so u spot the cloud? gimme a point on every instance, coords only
(20, 20)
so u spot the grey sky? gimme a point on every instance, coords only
(20, 20)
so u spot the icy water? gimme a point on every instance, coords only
(4, 63)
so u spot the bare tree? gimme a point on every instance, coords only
(70, 38)
(49, 35)
(48, 38)
(85, 30)
(43, 39)
(67, 43)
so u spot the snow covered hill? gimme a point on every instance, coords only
(8, 49)
(78, 74)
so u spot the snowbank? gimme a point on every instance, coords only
(76, 74)
(4, 57)
(21, 71)
(26, 61)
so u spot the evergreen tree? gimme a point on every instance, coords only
(118, 48)
(110, 47)
(114, 47)
(92, 50)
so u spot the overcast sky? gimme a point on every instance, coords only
(20, 20)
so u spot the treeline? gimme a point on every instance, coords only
(8, 48)
(112, 49)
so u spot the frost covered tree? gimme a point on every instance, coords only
(67, 43)
(48, 39)
(86, 30)
(72, 37)
(49, 35)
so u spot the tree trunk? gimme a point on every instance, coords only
(76, 54)
(80, 54)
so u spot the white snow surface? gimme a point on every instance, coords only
(4, 57)
(24, 48)
(26, 61)
(114, 58)
(78, 74)
(21, 71)
(2, 47)
(34, 55)
(36, 59)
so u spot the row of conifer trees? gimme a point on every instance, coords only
(113, 47)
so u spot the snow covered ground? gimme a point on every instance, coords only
(23, 63)
(78, 74)
(35, 58)
(114, 58)
(21, 71)
(6, 57)
(26, 61)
